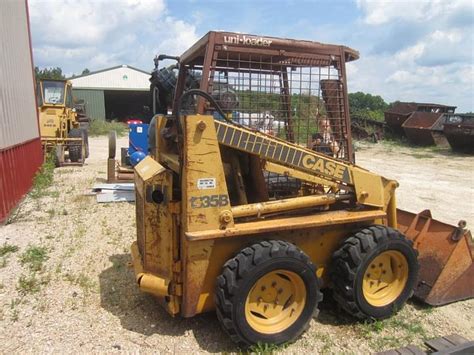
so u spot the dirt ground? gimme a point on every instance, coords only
(82, 296)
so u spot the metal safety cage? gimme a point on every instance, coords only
(295, 90)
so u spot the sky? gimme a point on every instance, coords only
(415, 50)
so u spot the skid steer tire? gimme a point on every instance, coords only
(374, 272)
(76, 151)
(268, 293)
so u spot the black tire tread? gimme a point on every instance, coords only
(75, 150)
(239, 267)
(349, 256)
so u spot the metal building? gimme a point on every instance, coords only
(20, 144)
(117, 93)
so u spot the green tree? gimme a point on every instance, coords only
(85, 71)
(49, 73)
(367, 105)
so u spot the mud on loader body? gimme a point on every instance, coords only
(59, 125)
(250, 222)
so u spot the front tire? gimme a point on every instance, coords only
(77, 150)
(374, 272)
(268, 293)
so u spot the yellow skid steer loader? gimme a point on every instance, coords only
(250, 203)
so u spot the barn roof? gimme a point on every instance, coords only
(121, 77)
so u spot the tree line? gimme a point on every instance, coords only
(54, 73)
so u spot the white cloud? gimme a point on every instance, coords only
(421, 51)
(76, 34)
(381, 12)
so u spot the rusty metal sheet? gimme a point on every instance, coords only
(420, 126)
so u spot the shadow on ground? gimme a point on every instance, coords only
(141, 313)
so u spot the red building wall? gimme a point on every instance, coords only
(18, 166)
(20, 146)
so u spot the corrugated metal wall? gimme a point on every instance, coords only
(18, 166)
(18, 120)
(94, 100)
(20, 145)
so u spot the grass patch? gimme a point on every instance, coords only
(43, 178)
(28, 284)
(102, 128)
(83, 281)
(380, 334)
(34, 257)
(7, 249)
(265, 348)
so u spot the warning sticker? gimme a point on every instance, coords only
(139, 129)
(206, 184)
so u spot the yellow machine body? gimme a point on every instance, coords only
(185, 244)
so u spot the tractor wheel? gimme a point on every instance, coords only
(374, 272)
(86, 141)
(58, 155)
(112, 144)
(268, 293)
(76, 151)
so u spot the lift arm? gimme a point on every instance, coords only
(293, 160)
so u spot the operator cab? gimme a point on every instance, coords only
(55, 93)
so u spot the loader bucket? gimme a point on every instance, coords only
(445, 255)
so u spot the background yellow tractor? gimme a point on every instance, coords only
(239, 210)
(59, 125)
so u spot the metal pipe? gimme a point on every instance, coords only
(148, 282)
(284, 205)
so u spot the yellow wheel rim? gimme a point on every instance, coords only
(385, 278)
(275, 301)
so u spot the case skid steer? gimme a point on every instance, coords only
(59, 124)
(240, 209)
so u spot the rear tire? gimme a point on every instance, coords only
(268, 293)
(86, 141)
(76, 148)
(374, 272)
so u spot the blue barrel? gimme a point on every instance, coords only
(138, 138)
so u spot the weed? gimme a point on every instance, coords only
(369, 327)
(28, 284)
(43, 178)
(51, 212)
(3, 262)
(35, 257)
(14, 317)
(81, 280)
(15, 302)
(265, 348)
(327, 343)
(427, 309)
(7, 248)
(15, 214)
(102, 128)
